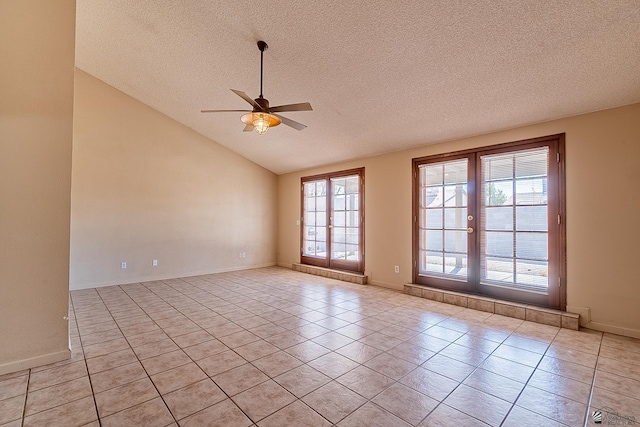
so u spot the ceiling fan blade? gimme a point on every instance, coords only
(291, 123)
(244, 96)
(248, 128)
(303, 106)
(225, 111)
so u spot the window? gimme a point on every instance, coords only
(332, 231)
(490, 221)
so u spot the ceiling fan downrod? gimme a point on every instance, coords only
(262, 46)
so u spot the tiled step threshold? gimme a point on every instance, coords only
(531, 313)
(345, 276)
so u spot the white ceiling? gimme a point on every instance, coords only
(381, 75)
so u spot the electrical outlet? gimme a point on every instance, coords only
(123, 265)
(154, 263)
(396, 268)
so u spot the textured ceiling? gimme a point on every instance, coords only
(381, 75)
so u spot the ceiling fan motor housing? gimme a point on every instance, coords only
(263, 103)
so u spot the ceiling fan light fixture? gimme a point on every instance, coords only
(260, 121)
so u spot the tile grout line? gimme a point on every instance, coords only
(131, 348)
(93, 394)
(593, 382)
(459, 382)
(527, 383)
(26, 394)
(139, 361)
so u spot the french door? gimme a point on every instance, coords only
(490, 221)
(332, 232)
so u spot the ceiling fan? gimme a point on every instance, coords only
(262, 117)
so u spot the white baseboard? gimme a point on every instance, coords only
(584, 312)
(285, 264)
(32, 362)
(612, 329)
(76, 286)
(585, 322)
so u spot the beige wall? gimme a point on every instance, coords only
(603, 204)
(145, 187)
(37, 41)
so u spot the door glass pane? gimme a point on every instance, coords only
(432, 261)
(443, 218)
(533, 273)
(310, 218)
(432, 218)
(531, 218)
(499, 244)
(432, 197)
(434, 240)
(498, 193)
(455, 241)
(532, 246)
(321, 218)
(499, 218)
(514, 218)
(455, 172)
(345, 218)
(339, 218)
(455, 195)
(498, 269)
(353, 220)
(432, 175)
(321, 234)
(455, 264)
(455, 218)
(321, 203)
(531, 191)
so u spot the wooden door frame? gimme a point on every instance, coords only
(556, 294)
(328, 262)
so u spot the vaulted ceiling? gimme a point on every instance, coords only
(381, 75)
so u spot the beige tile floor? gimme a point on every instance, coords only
(272, 347)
